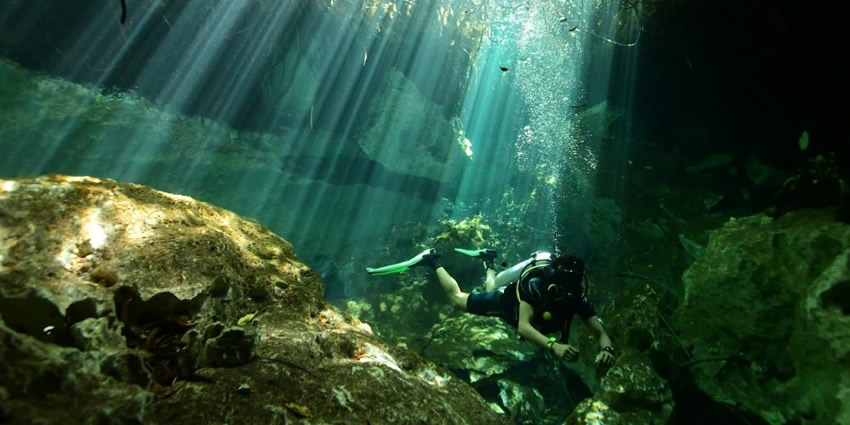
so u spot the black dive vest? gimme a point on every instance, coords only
(554, 302)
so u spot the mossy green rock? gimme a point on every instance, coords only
(164, 344)
(768, 301)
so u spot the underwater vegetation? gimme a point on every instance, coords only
(191, 192)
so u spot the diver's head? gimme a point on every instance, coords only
(569, 274)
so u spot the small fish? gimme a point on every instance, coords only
(504, 68)
(123, 11)
(580, 105)
(563, 19)
(573, 29)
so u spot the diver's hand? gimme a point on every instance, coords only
(565, 351)
(604, 359)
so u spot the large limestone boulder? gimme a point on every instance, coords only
(766, 313)
(408, 134)
(123, 304)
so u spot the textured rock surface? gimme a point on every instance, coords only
(634, 389)
(406, 133)
(767, 308)
(121, 304)
(255, 174)
(631, 391)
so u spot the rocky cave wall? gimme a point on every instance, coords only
(123, 304)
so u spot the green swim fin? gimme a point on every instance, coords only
(400, 267)
(485, 254)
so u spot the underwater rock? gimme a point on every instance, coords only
(818, 183)
(631, 391)
(512, 374)
(47, 383)
(297, 162)
(219, 287)
(595, 412)
(229, 347)
(765, 317)
(631, 385)
(243, 389)
(604, 225)
(129, 352)
(127, 367)
(599, 118)
(486, 347)
(763, 175)
(5, 411)
(404, 317)
(104, 275)
(409, 134)
(468, 233)
(712, 163)
(33, 314)
(710, 200)
(522, 401)
(630, 395)
(291, 87)
(649, 230)
(693, 248)
(97, 334)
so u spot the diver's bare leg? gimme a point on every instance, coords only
(490, 280)
(456, 297)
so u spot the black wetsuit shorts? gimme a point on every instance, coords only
(497, 303)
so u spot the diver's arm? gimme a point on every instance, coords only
(526, 311)
(606, 350)
(595, 326)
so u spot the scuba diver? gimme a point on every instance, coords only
(537, 296)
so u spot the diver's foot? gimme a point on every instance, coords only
(428, 258)
(487, 255)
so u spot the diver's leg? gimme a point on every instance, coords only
(490, 280)
(456, 297)
(504, 277)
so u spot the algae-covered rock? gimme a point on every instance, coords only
(631, 393)
(177, 335)
(526, 382)
(633, 386)
(766, 309)
(403, 316)
(595, 412)
(469, 233)
(523, 402)
(483, 346)
(229, 347)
